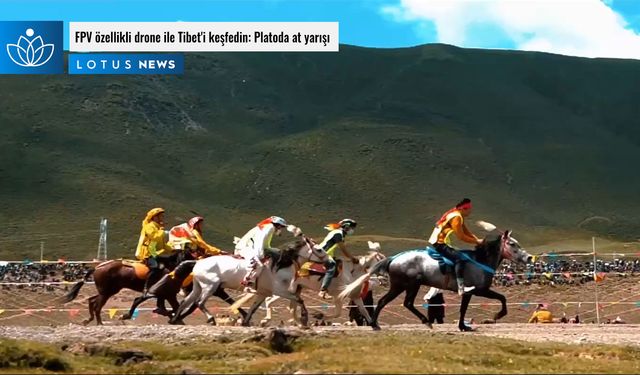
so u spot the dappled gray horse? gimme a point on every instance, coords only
(411, 269)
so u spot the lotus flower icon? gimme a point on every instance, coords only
(30, 52)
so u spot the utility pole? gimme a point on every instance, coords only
(102, 244)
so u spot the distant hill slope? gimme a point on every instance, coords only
(392, 138)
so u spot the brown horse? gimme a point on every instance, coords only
(112, 276)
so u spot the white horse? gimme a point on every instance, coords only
(227, 272)
(348, 274)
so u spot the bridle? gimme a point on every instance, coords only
(506, 254)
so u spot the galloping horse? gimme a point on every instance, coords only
(112, 276)
(411, 269)
(227, 272)
(312, 279)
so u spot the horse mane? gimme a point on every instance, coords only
(491, 244)
(184, 268)
(287, 255)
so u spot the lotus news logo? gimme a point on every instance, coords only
(31, 47)
(30, 52)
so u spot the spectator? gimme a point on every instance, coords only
(435, 308)
(541, 315)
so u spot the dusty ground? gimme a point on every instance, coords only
(562, 333)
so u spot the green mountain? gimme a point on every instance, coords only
(543, 144)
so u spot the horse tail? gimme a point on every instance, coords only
(75, 289)
(378, 268)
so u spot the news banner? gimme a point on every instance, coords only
(37, 47)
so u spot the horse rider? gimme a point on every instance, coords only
(256, 242)
(335, 239)
(152, 244)
(452, 222)
(189, 235)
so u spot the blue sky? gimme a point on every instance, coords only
(388, 23)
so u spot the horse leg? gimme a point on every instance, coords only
(390, 296)
(488, 293)
(337, 307)
(161, 309)
(91, 304)
(187, 304)
(136, 302)
(363, 311)
(222, 294)
(173, 301)
(304, 313)
(267, 304)
(100, 302)
(409, 298)
(464, 304)
(246, 321)
(207, 292)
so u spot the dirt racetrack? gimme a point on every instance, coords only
(563, 333)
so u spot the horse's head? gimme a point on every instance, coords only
(299, 250)
(372, 257)
(506, 247)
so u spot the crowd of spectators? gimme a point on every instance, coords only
(542, 272)
(18, 275)
(564, 271)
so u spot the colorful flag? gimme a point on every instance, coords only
(112, 313)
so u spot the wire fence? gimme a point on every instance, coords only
(596, 287)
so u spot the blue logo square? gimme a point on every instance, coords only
(31, 47)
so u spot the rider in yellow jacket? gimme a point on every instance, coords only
(152, 243)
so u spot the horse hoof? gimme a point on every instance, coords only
(376, 328)
(125, 317)
(85, 322)
(466, 329)
(178, 323)
(429, 325)
(162, 312)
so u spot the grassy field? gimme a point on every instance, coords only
(391, 352)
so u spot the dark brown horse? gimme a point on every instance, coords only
(112, 276)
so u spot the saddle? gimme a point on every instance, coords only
(310, 268)
(140, 269)
(446, 265)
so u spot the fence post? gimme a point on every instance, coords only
(595, 278)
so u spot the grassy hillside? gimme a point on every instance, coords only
(391, 137)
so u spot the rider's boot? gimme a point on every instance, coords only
(463, 289)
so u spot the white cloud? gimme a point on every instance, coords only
(586, 28)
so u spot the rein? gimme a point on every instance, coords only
(482, 266)
(503, 253)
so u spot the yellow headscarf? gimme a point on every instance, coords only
(153, 212)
